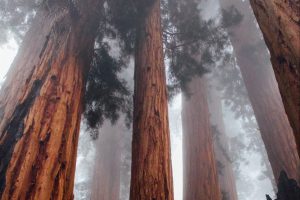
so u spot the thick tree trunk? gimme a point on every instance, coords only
(221, 147)
(279, 21)
(263, 93)
(200, 176)
(151, 172)
(41, 104)
(106, 179)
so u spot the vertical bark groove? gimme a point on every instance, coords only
(151, 173)
(279, 21)
(41, 101)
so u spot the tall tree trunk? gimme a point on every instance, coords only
(279, 21)
(41, 103)
(106, 179)
(263, 93)
(200, 176)
(151, 172)
(221, 147)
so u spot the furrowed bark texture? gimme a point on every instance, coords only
(106, 178)
(279, 21)
(221, 147)
(41, 104)
(200, 176)
(151, 172)
(263, 93)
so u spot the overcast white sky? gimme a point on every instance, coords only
(7, 54)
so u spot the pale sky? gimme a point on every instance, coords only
(7, 54)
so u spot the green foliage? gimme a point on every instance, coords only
(234, 92)
(122, 19)
(231, 17)
(193, 45)
(106, 94)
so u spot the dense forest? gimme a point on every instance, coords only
(150, 99)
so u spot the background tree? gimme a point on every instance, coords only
(221, 145)
(106, 178)
(193, 46)
(248, 141)
(266, 102)
(200, 175)
(279, 23)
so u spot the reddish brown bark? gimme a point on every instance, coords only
(221, 148)
(263, 93)
(279, 21)
(41, 103)
(151, 172)
(200, 176)
(106, 178)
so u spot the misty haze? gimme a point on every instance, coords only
(149, 100)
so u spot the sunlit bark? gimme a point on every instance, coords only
(200, 176)
(263, 92)
(279, 22)
(41, 103)
(151, 173)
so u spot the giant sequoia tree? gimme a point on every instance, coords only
(279, 22)
(106, 174)
(64, 57)
(194, 46)
(262, 88)
(200, 175)
(151, 176)
(41, 102)
(221, 145)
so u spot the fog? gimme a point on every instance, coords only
(103, 163)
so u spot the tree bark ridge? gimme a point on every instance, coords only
(279, 21)
(151, 172)
(41, 104)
